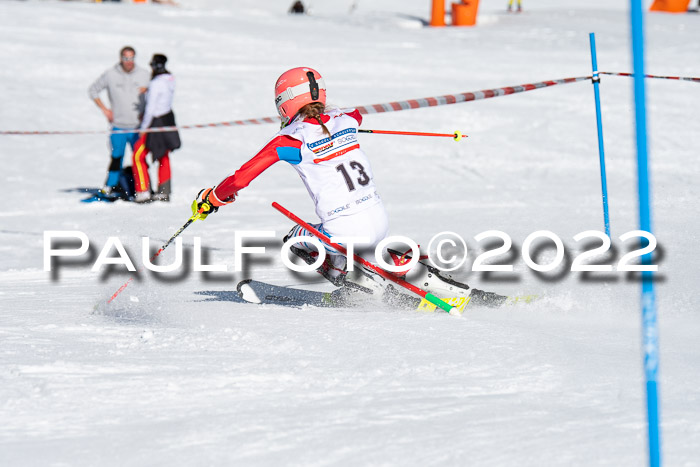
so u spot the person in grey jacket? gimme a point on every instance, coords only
(125, 82)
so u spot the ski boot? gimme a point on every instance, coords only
(432, 280)
(333, 268)
(429, 278)
(443, 285)
(163, 193)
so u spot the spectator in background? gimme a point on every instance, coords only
(123, 82)
(297, 8)
(510, 6)
(158, 114)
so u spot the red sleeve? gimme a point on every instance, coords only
(260, 162)
(356, 115)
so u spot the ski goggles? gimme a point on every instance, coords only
(298, 90)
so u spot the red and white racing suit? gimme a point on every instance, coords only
(336, 172)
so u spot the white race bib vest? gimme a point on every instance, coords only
(334, 169)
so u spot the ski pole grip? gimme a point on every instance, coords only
(438, 302)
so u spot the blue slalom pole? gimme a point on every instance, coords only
(650, 340)
(601, 147)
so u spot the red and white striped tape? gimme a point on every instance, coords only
(366, 109)
(252, 121)
(463, 97)
(679, 78)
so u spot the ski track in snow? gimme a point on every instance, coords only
(164, 377)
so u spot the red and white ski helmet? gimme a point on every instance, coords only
(297, 87)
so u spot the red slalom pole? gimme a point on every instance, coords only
(456, 135)
(386, 275)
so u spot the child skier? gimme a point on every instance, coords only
(321, 144)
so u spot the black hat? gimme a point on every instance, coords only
(158, 62)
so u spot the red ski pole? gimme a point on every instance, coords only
(456, 135)
(386, 275)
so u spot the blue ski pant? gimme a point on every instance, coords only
(118, 142)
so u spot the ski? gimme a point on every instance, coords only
(100, 197)
(258, 292)
(263, 293)
(479, 298)
(253, 291)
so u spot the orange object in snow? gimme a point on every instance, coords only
(670, 6)
(437, 17)
(464, 14)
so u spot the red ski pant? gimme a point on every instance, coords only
(140, 167)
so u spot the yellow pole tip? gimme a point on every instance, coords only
(458, 135)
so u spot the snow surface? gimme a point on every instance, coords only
(162, 377)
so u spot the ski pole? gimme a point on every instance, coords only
(197, 214)
(386, 275)
(457, 135)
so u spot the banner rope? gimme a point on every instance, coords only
(363, 109)
(677, 78)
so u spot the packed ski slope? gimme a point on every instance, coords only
(165, 377)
